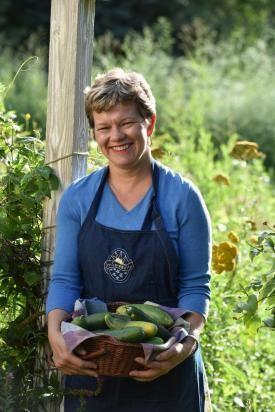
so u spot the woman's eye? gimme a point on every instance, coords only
(127, 123)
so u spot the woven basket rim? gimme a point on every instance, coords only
(113, 341)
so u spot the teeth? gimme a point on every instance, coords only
(118, 148)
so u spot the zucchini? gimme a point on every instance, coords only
(155, 313)
(150, 329)
(116, 321)
(80, 321)
(95, 321)
(137, 314)
(131, 334)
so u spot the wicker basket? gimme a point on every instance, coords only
(113, 358)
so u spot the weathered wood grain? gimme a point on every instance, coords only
(70, 62)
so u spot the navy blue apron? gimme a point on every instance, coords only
(134, 266)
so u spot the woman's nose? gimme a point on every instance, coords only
(117, 133)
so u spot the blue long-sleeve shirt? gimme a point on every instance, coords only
(185, 217)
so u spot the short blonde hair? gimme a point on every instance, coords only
(118, 86)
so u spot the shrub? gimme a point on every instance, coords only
(24, 183)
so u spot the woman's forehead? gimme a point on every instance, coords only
(120, 110)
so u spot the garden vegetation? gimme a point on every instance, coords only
(216, 127)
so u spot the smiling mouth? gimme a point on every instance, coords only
(120, 148)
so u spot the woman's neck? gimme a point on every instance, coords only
(130, 176)
(130, 186)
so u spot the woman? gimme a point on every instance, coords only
(157, 224)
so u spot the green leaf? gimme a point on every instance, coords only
(31, 278)
(268, 289)
(54, 182)
(29, 139)
(253, 323)
(263, 236)
(271, 300)
(269, 242)
(251, 304)
(256, 284)
(28, 201)
(32, 186)
(44, 171)
(240, 307)
(270, 322)
(254, 252)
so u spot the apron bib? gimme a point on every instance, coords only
(134, 266)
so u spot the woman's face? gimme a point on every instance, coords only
(122, 134)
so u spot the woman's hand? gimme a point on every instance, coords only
(164, 362)
(67, 362)
(63, 359)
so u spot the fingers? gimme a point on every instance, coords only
(73, 365)
(153, 370)
(153, 364)
(83, 364)
(163, 363)
(67, 362)
(174, 352)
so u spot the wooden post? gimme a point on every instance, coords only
(70, 61)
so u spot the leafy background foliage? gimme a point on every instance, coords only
(247, 19)
(24, 183)
(213, 85)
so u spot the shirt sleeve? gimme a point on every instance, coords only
(195, 255)
(65, 285)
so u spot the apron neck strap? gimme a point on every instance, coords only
(152, 212)
(96, 201)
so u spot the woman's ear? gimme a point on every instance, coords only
(151, 125)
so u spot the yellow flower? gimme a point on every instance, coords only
(233, 237)
(253, 239)
(224, 257)
(27, 116)
(222, 179)
(245, 150)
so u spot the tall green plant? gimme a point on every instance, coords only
(258, 310)
(24, 183)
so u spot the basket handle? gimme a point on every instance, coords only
(94, 355)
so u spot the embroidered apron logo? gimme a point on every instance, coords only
(118, 266)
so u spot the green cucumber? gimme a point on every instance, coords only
(80, 321)
(116, 321)
(157, 314)
(138, 315)
(150, 329)
(131, 334)
(96, 321)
